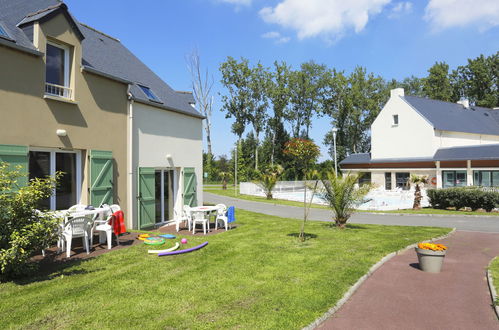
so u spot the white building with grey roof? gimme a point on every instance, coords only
(454, 144)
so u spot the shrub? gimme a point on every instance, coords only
(22, 230)
(460, 197)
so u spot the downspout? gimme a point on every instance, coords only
(130, 150)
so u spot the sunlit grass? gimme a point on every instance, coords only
(257, 276)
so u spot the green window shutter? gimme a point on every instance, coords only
(190, 187)
(101, 177)
(15, 156)
(146, 198)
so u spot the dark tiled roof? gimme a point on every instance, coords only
(101, 54)
(364, 158)
(480, 152)
(477, 152)
(448, 116)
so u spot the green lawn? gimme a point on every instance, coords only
(253, 277)
(230, 193)
(494, 268)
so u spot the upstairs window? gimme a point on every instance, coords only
(395, 120)
(57, 71)
(3, 33)
(149, 93)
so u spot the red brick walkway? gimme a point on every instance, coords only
(400, 296)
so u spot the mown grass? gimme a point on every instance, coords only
(257, 276)
(427, 210)
(494, 269)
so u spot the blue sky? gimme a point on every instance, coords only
(394, 39)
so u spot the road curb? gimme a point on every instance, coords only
(492, 289)
(361, 280)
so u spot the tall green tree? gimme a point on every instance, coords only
(437, 85)
(279, 94)
(259, 84)
(353, 102)
(306, 86)
(478, 81)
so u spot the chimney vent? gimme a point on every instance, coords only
(397, 92)
(465, 103)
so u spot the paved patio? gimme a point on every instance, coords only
(400, 296)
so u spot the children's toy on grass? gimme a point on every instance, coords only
(184, 241)
(142, 237)
(168, 236)
(154, 240)
(183, 251)
(166, 250)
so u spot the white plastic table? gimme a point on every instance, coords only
(205, 209)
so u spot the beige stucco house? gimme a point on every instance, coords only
(74, 99)
(454, 144)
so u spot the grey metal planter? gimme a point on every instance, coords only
(430, 261)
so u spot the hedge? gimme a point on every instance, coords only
(473, 197)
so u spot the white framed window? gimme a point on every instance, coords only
(395, 120)
(57, 70)
(45, 162)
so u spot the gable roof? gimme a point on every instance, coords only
(448, 116)
(48, 13)
(102, 54)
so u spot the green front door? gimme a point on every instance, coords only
(146, 197)
(16, 156)
(190, 187)
(101, 178)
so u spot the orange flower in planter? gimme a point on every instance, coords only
(431, 246)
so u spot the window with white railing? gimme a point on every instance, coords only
(57, 70)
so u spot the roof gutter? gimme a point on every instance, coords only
(89, 69)
(12, 44)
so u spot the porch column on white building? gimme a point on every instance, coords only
(469, 173)
(394, 183)
(439, 174)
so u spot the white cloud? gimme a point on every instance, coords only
(400, 9)
(327, 18)
(452, 13)
(279, 39)
(237, 2)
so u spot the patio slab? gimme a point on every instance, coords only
(400, 296)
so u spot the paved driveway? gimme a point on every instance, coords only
(470, 223)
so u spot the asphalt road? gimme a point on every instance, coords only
(468, 223)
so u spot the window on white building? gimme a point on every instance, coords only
(395, 120)
(454, 179)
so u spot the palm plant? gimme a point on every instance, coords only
(268, 178)
(225, 176)
(343, 195)
(417, 180)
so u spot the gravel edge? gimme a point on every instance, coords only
(361, 280)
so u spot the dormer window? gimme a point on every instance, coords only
(150, 95)
(395, 121)
(57, 71)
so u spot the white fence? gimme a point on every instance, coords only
(377, 199)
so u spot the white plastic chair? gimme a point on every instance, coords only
(182, 216)
(114, 208)
(105, 226)
(77, 208)
(221, 216)
(199, 217)
(76, 227)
